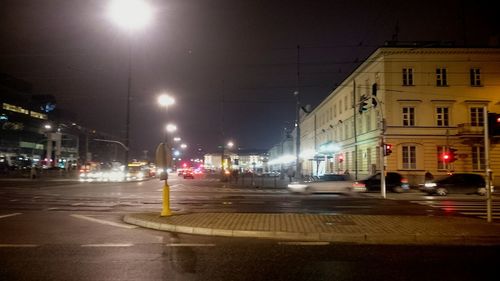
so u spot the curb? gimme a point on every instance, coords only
(352, 238)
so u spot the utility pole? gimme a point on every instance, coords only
(355, 130)
(223, 175)
(487, 162)
(298, 167)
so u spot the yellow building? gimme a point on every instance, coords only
(431, 100)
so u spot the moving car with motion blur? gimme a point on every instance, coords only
(328, 183)
(394, 182)
(456, 183)
(188, 174)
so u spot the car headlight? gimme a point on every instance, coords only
(430, 184)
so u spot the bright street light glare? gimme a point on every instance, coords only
(184, 145)
(130, 14)
(176, 139)
(165, 100)
(171, 128)
(230, 144)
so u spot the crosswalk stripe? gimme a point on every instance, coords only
(18, 245)
(468, 208)
(10, 215)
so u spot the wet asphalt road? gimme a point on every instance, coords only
(74, 231)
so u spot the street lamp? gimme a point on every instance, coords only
(131, 15)
(183, 146)
(171, 128)
(177, 139)
(165, 100)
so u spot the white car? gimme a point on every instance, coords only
(328, 183)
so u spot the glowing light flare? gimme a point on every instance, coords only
(171, 128)
(130, 14)
(165, 100)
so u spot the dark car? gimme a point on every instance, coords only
(188, 174)
(394, 182)
(457, 183)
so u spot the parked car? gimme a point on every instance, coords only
(457, 183)
(328, 183)
(394, 182)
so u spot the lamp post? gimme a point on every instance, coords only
(131, 15)
(297, 137)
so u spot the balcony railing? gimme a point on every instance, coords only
(467, 129)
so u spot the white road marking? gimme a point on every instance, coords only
(108, 245)
(304, 243)
(189, 245)
(122, 225)
(18, 245)
(10, 215)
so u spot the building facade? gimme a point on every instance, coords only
(424, 102)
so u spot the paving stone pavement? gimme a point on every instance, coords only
(371, 229)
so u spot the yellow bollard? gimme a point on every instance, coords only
(166, 201)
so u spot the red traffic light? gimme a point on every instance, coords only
(445, 157)
(387, 149)
(341, 158)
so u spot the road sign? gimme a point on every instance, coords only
(163, 156)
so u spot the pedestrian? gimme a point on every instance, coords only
(290, 173)
(428, 176)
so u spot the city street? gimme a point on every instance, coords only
(61, 230)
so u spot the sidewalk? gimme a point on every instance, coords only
(359, 229)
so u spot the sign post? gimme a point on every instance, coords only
(164, 160)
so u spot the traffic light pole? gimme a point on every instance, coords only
(382, 158)
(487, 162)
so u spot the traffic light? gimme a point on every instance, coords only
(445, 157)
(452, 155)
(362, 106)
(494, 124)
(341, 158)
(387, 149)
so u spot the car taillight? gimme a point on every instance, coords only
(404, 180)
(357, 184)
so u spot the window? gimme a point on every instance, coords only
(440, 164)
(335, 111)
(409, 157)
(353, 159)
(475, 77)
(368, 122)
(478, 161)
(442, 116)
(407, 76)
(477, 116)
(408, 116)
(345, 103)
(441, 77)
(340, 107)
(368, 158)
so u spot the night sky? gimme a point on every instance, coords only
(204, 51)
